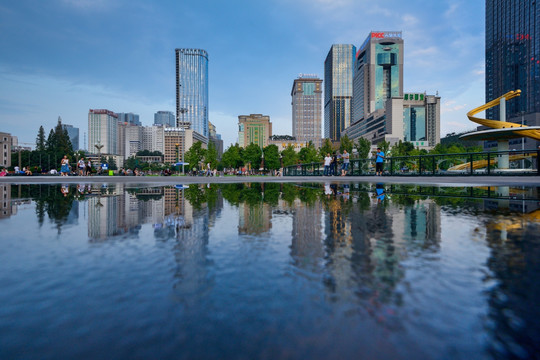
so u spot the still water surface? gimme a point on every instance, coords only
(267, 271)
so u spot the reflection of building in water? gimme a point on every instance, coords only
(116, 211)
(102, 217)
(513, 290)
(307, 232)
(254, 219)
(418, 223)
(5, 200)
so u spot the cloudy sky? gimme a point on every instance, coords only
(63, 57)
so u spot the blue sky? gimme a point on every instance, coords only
(63, 57)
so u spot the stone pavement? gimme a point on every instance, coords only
(173, 180)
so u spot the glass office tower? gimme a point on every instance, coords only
(192, 89)
(338, 89)
(513, 55)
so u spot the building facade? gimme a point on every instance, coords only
(254, 128)
(338, 89)
(414, 117)
(192, 89)
(378, 78)
(215, 138)
(513, 62)
(178, 141)
(306, 96)
(102, 131)
(6, 143)
(165, 118)
(153, 138)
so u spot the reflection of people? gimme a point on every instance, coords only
(65, 189)
(379, 162)
(64, 166)
(327, 190)
(381, 194)
(345, 165)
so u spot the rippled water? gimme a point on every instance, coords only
(311, 271)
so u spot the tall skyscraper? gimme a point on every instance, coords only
(306, 109)
(192, 89)
(102, 131)
(165, 118)
(513, 62)
(513, 55)
(378, 72)
(338, 89)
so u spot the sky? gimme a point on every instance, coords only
(64, 57)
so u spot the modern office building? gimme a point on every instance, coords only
(378, 78)
(153, 138)
(513, 62)
(338, 89)
(192, 89)
(307, 109)
(102, 131)
(129, 118)
(130, 139)
(254, 128)
(73, 134)
(165, 118)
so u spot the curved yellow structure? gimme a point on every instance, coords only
(515, 130)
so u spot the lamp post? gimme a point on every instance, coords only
(177, 153)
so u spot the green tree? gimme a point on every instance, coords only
(271, 157)
(363, 146)
(131, 163)
(309, 154)
(253, 155)
(385, 147)
(326, 148)
(345, 144)
(195, 155)
(112, 163)
(40, 140)
(402, 149)
(211, 155)
(289, 155)
(232, 157)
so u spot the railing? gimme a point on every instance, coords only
(520, 162)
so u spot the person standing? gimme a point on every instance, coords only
(64, 168)
(81, 166)
(333, 164)
(379, 162)
(88, 168)
(327, 161)
(345, 166)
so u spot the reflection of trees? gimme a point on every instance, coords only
(513, 301)
(49, 200)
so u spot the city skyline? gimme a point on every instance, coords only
(108, 54)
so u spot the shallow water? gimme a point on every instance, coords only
(269, 271)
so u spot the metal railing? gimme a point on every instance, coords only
(520, 162)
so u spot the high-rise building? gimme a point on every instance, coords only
(129, 139)
(102, 131)
(73, 134)
(179, 140)
(192, 89)
(153, 138)
(254, 128)
(338, 89)
(513, 62)
(130, 118)
(165, 118)
(306, 109)
(378, 72)
(215, 138)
